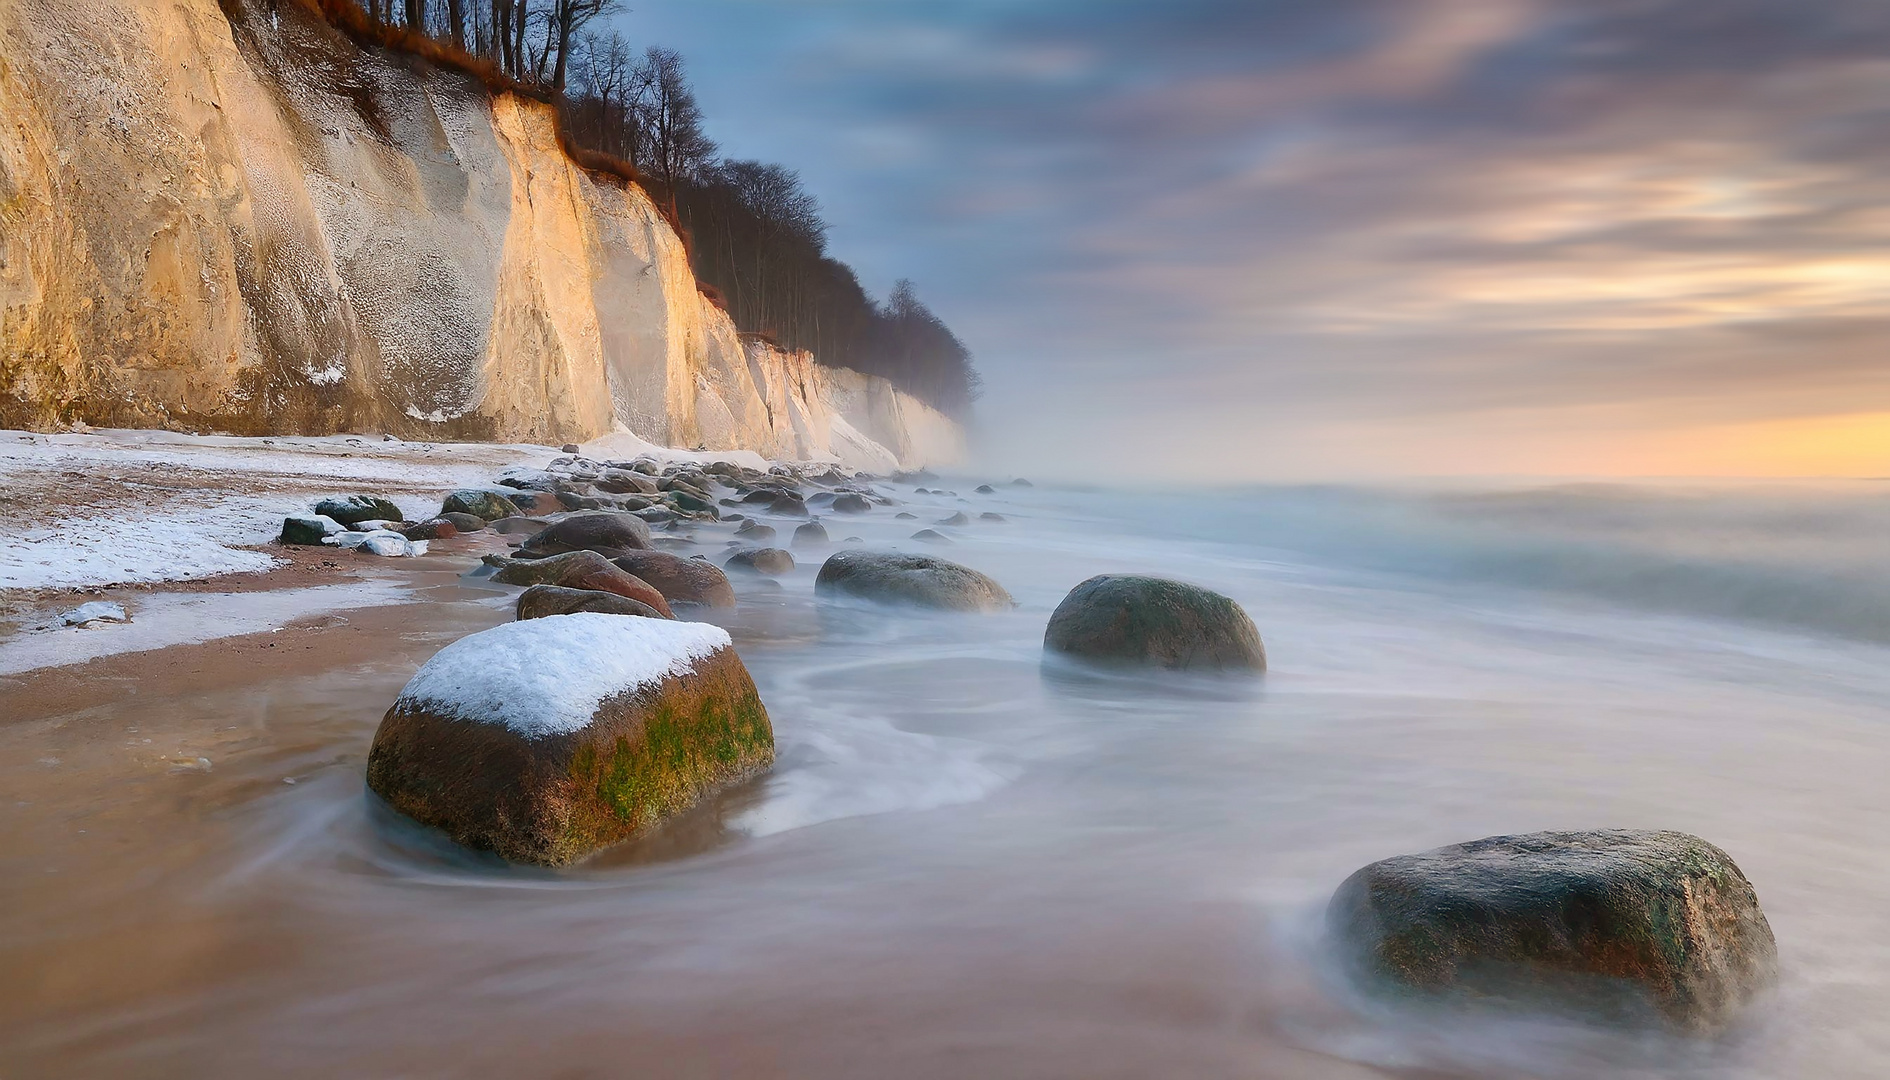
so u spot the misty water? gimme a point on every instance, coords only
(971, 862)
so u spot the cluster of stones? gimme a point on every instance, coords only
(1653, 925)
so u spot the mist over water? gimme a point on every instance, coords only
(971, 861)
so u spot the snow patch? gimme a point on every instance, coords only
(548, 676)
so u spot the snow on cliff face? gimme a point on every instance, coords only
(254, 226)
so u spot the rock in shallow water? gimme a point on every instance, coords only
(581, 570)
(541, 600)
(466, 523)
(812, 534)
(1124, 619)
(607, 534)
(760, 561)
(1612, 921)
(921, 580)
(548, 739)
(680, 580)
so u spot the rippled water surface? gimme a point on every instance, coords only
(971, 863)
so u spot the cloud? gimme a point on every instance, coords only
(1334, 212)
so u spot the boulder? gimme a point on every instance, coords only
(436, 529)
(1021, 482)
(760, 561)
(903, 516)
(531, 480)
(542, 600)
(307, 529)
(657, 515)
(608, 534)
(931, 536)
(625, 482)
(753, 532)
(1124, 619)
(921, 580)
(680, 580)
(571, 500)
(690, 503)
(850, 503)
(989, 516)
(354, 509)
(513, 526)
(581, 570)
(465, 523)
(1617, 921)
(788, 504)
(811, 534)
(383, 542)
(537, 503)
(484, 505)
(548, 739)
(956, 519)
(986, 489)
(568, 448)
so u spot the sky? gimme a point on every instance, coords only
(1330, 239)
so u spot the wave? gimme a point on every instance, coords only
(1813, 556)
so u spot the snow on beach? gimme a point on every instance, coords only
(131, 507)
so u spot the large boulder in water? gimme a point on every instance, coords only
(354, 509)
(607, 534)
(581, 570)
(540, 601)
(1123, 619)
(921, 580)
(1615, 920)
(484, 505)
(548, 739)
(680, 580)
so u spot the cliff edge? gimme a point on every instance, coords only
(233, 218)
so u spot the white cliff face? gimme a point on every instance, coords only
(260, 228)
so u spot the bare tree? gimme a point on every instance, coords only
(672, 119)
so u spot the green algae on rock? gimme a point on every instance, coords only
(1126, 619)
(546, 740)
(1615, 922)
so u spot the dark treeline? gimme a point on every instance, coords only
(756, 236)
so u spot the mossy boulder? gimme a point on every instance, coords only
(918, 580)
(540, 601)
(608, 534)
(1129, 620)
(484, 505)
(580, 570)
(548, 739)
(1622, 923)
(680, 580)
(354, 509)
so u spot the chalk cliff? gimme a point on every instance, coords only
(232, 218)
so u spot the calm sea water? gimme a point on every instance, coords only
(971, 863)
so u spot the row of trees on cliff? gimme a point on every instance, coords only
(756, 236)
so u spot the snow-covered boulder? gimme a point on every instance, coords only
(381, 542)
(309, 529)
(548, 739)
